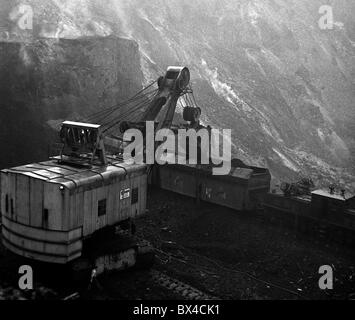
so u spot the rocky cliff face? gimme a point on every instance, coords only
(266, 70)
(52, 79)
(263, 68)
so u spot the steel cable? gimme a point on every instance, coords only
(124, 103)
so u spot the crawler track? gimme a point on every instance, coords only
(180, 288)
(9, 263)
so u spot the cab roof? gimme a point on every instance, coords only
(75, 177)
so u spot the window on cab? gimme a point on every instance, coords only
(102, 207)
(135, 196)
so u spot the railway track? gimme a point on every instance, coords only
(178, 287)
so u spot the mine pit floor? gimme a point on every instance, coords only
(216, 251)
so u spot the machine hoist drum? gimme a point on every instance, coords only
(176, 78)
(183, 79)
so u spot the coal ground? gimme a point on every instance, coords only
(224, 253)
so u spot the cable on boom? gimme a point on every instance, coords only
(110, 110)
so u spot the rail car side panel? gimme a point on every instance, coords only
(178, 181)
(234, 191)
(225, 194)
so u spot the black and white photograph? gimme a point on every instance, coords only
(173, 156)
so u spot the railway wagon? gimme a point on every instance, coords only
(49, 209)
(243, 189)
